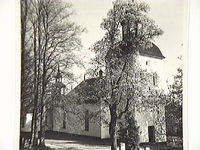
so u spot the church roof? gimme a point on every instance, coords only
(87, 91)
(122, 50)
(153, 51)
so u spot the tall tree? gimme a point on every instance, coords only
(174, 106)
(129, 131)
(52, 39)
(27, 89)
(138, 31)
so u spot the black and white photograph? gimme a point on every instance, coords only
(103, 74)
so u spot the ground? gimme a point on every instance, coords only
(52, 144)
(60, 141)
(75, 145)
(64, 141)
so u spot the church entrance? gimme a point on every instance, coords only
(151, 132)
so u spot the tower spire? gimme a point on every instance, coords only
(58, 75)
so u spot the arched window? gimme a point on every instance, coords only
(64, 120)
(87, 120)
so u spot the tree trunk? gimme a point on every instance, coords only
(34, 135)
(113, 127)
(44, 73)
(42, 117)
(34, 132)
(114, 141)
(42, 128)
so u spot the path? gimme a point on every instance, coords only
(66, 144)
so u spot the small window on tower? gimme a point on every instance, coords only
(154, 80)
(147, 63)
(149, 88)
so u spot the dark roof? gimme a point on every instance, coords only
(122, 50)
(153, 51)
(88, 91)
(119, 51)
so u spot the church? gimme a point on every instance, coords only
(85, 100)
(87, 96)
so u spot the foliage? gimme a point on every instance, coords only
(142, 31)
(119, 59)
(142, 28)
(176, 89)
(129, 131)
(49, 38)
(174, 105)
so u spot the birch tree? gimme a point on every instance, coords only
(52, 38)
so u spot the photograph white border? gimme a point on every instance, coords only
(10, 76)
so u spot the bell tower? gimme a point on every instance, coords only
(125, 23)
(125, 30)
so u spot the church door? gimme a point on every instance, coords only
(151, 131)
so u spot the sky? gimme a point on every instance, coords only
(169, 15)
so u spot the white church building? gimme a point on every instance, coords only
(90, 103)
(80, 123)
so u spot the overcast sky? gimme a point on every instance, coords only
(169, 15)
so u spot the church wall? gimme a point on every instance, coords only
(148, 118)
(161, 125)
(154, 65)
(157, 117)
(75, 124)
(97, 127)
(104, 124)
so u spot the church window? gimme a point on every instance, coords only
(147, 63)
(86, 120)
(64, 120)
(149, 88)
(46, 119)
(154, 80)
